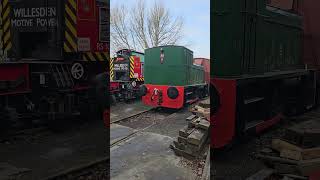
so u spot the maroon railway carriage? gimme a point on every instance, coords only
(53, 60)
(205, 63)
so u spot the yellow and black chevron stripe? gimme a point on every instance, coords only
(111, 68)
(6, 24)
(140, 79)
(131, 66)
(71, 35)
(96, 56)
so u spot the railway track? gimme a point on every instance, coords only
(134, 115)
(15, 134)
(95, 170)
(146, 116)
(67, 141)
(134, 133)
(99, 169)
(23, 134)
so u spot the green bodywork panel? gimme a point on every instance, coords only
(177, 68)
(250, 37)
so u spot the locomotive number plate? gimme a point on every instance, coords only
(84, 44)
(121, 67)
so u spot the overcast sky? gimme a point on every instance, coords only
(196, 14)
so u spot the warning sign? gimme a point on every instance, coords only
(84, 44)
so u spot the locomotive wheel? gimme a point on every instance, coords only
(143, 90)
(129, 95)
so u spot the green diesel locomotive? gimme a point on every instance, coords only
(171, 78)
(257, 72)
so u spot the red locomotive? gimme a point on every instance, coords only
(51, 51)
(126, 74)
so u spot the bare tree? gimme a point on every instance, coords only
(120, 31)
(140, 27)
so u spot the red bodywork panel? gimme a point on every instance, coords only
(11, 72)
(314, 175)
(137, 67)
(88, 24)
(206, 66)
(86, 9)
(166, 101)
(268, 123)
(114, 86)
(223, 122)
